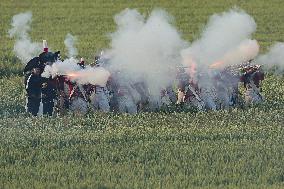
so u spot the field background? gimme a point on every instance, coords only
(240, 148)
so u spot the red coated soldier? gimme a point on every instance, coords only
(252, 77)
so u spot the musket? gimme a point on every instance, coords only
(194, 93)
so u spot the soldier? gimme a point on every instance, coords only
(192, 95)
(78, 99)
(98, 95)
(208, 92)
(170, 92)
(252, 77)
(124, 97)
(99, 98)
(63, 89)
(222, 91)
(182, 78)
(49, 90)
(48, 96)
(112, 86)
(82, 63)
(180, 96)
(165, 99)
(78, 95)
(33, 88)
(141, 94)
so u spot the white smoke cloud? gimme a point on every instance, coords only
(225, 39)
(70, 68)
(89, 75)
(24, 48)
(21, 24)
(61, 68)
(146, 50)
(275, 57)
(247, 50)
(70, 42)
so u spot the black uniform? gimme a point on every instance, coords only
(48, 95)
(33, 88)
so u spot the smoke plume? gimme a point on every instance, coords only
(89, 75)
(146, 50)
(70, 42)
(61, 68)
(225, 41)
(70, 69)
(274, 58)
(24, 48)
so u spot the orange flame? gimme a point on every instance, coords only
(216, 65)
(73, 74)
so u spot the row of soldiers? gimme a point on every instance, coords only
(49, 95)
(221, 90)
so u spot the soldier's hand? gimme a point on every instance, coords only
(44, 85)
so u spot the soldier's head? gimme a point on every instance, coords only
(97, 59)
(82, 63)
(57, 56)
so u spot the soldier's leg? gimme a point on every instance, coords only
(225, 100)
(210, 104)
(33, 106)
(165, 100)
(79, 106)
(75, 105)
(248, 96)
(48, 107)
(171, 94)
(84, 107)
(113, 104)
(122, 105)
(62, 103)
(94, 101)
(104, 103)
(153, 105)
(197, 104)
(259, 97)
(131, 106)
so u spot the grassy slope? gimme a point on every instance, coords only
(241, 148)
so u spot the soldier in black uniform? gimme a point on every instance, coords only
(39, 88)
(49, 88)
(48, 96)
(33, 88)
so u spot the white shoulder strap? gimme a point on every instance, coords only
(28, 80)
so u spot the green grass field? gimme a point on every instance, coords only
(240, 148)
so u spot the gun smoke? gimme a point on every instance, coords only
(70, 69)
(274, 58)
(146, 49)
(225, 39)
(70, 42)
(24, 48)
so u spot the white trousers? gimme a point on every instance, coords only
(100, 101)
(252, 97)
(126, 104)
(79, 105)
